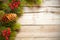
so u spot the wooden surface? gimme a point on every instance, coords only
(41, 23)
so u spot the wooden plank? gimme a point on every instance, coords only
(46, 9)
(40, 28)
(38, 39)
(40, 23)
(39, 18)
(39, 31)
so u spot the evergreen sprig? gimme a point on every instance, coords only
(10, 7)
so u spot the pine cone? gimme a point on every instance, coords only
(9, 17)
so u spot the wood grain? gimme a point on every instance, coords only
(40, 23)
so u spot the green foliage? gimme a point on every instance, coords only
(1, 3)
(13, 35)
(19, 11)
(2, 28)
(1, 37)
(5, 9)
(9, 0)
(9, 24)
(33, 2)
(1, 13)
(22, 3)
(16, 27)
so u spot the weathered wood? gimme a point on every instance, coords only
(41, 23)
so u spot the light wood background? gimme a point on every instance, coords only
(41, 23)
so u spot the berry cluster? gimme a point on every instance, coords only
(6, 33)
(14, 4)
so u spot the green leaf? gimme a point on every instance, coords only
(9, 0)
(33, 2)
(1, 13)
(2, 28)
(13, 35)
(16, 27)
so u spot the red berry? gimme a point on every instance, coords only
(4, 32)
(8, 33)
(18, 2)
(8, 29)
(12, 7)
(6, 38)
(16, 6)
